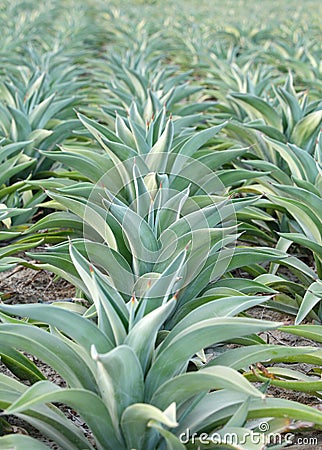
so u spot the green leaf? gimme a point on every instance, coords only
(308, 221)
(312, 332)
(240, 358)
(88, 404)
(310, 299)
(57, 220)
(20, 365)
(51, 350)
(311, 200)
(135, 420)
(93, 215)
(182, 387)
(15, 248)
(143, 334)
(21, 126)
(156, 159)
(259, 107)
(38, 117)
(171, 359)
(21, 442)
(219, 406)
(199, 139)
(136, 230)
(82, 330)
(173, 443)
(304, 241)
(306, 130)
(119, 387)
(294, 380)
(223, 307)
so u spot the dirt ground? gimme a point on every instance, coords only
(24, 285)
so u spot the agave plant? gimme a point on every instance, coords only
(284, 115)
(151, 199)
(294, 195)
(38, 95)
(31, 113)
(17, 205)
(153, 405)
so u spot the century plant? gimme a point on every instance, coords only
(280, 114)
(154, 189)
(154, 404)
(38, 93)
(31, 110)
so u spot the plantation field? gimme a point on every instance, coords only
(160, 225)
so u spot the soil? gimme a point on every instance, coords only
(24, 285)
